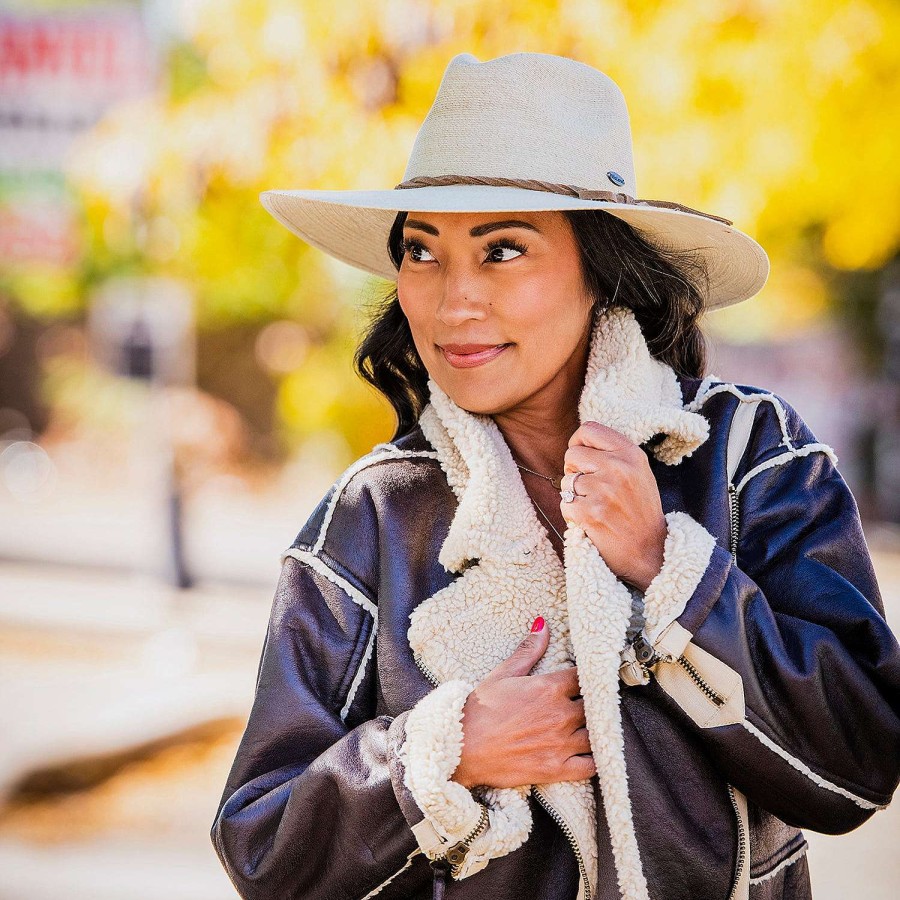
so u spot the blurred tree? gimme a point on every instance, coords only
(770, 112)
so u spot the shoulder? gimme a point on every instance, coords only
(402, 464)
(390, 486)
(700, 394)
(777, 432)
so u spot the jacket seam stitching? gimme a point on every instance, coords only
(343, 572)
(334, 565)
(793, 453)
(787, 441)
(776, 856)
(309, 558)
(410, 860)
(798, 854)
(315, 562)
(731, 388)
(804, 769)
(348, 476)
(361, 668)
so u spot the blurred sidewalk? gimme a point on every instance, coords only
(110, 673)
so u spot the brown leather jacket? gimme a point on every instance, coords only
(316, 805)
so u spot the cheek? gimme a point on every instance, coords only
(554, 321)
(407, 300)
(412, 292)
(418, 320)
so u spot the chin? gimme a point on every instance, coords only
(477, 403)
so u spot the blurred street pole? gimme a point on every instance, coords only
(142, 329)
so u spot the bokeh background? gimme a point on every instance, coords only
(176, 387)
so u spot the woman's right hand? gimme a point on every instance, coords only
(521, 729)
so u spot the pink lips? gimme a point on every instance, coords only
(469, 360)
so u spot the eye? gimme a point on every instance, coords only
(410, 246)
(413, 248)
(505, 244)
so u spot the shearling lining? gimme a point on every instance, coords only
(519, 576)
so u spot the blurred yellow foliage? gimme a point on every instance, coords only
(778, 114)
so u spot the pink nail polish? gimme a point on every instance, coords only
(537, 624)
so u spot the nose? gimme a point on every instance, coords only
(461, 300)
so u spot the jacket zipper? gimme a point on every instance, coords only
(734, 515)
(567, 831)
(425, 670)
(455, 856)
(570, 836)
(647, 658)
(742, 845)
(704, 686)
(733, 509)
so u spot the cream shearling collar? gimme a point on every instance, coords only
(464, 630)
(625, 387)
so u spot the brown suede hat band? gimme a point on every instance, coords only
(534, 185)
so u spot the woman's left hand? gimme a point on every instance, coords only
(617, 502)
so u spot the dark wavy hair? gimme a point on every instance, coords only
(620, 269)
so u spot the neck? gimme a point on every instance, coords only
(538, 430)
(539, 441)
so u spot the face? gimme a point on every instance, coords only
(507, 286)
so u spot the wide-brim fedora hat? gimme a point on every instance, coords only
(525, 131)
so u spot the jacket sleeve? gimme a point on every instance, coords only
(324, 798)
(309, 808)
(782, 658)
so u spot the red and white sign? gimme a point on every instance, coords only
(59, 73)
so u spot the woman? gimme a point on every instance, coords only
(594, 624)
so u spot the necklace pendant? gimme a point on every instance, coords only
(556, 480)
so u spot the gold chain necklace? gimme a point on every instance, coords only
(557, 483)
(548, 520)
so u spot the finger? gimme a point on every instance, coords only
(600, 437)
(581, 742)
(565, 681)
(582, 459)
(577, 710)
(610, 470)
(577, 768)
(523, 659)
(588, 482)
(576, 511)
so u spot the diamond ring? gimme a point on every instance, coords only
(569, 495)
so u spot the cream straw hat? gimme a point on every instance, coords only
(526, 131)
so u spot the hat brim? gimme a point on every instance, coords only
(353, 226)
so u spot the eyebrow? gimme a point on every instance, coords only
(478, 230)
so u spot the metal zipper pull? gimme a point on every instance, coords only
(456, 855)
(647, 658)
